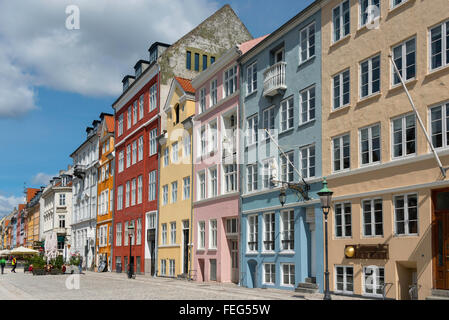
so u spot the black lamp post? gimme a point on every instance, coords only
(130, 270)
(326, 199)
(282, 197)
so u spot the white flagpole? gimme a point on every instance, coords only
(443, 170)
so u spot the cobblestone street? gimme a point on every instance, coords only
(106, 286)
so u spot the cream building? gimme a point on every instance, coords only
(388, 188)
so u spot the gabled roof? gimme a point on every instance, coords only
(186, 85)
(246, 46)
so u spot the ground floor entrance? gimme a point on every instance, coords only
(440, 239)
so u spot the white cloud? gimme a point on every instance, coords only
(7, 204)
(42, 178)
(114, 34)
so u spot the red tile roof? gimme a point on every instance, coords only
(246, 46)
(31, 192)
(185, 84)
(110, 123)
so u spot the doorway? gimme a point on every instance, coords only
(185, 234)
(440, 239)
(234, 261)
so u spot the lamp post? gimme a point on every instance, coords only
(326, 199)
(130, 266)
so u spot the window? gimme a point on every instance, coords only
(372, 218)
(288, 230)
(230, 178)
(135, 112)
(163, 267)
(253, 232)
(118, 235)
(133, 192)
(175, 152)
(187, 146)
(404, 136)
(307, 105)
(203, 140)
(139, 189)
(268, 120)
(370, 145)
(174, 192)
(129, 122)
(140, 141)
(252, 133)
(111, 200)
(121, 159)
(341, 89)
(139, 232)
(232, 226)
(62, 221)
(213, 234)
(286, 114)
(62, 199)
(186, 189)
(439, 46)
(344, 279)
(287, 163)
(176, 114)
(373, 281)
(128, 155)
(165, 194)
(269, 166)
(251, 173)
(164, 233)
(269, 231)
(212, 60)
(307, 43)
(152, 186)
(172, 268)
(120, 198)
(404, 56)
(141, 107)
(173, 233)
(153, 97)
(366, 13)
(202, 100)
(213, 183)
(230, 81)
(201, 235)
(395, 3)
(307, 161)
(213, 136)
(343, 217)
(127, 233)
(341, 153)
(127, 195)
(204, 62)
(166, 151)
(341, 20)
(370, 76)
(288, 274)
(213, 92)
(251, 78)
(120, 125)
(406, 214)
(269, 273)
(440, 125)
(189, 60)
(153, 143)
(197, 62)
(202, 185)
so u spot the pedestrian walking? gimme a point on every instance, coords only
(14, 263)
(81, 264)
(2, 264)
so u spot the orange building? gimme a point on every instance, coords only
(32, 218)
(105, 192)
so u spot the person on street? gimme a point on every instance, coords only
(81, 264)
(2, 264)
(14, 263)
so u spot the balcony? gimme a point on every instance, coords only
(274, 79)
(80, 170)
(229, 144)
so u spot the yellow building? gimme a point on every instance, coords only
(33, 212)
(388, 188)
(175, 187)
(105, 192)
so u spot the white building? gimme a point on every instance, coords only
(84, 220)
(56, 211)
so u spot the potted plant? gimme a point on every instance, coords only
(38, 263)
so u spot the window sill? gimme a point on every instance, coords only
(367, 98)
(268, 253)
(202, 250)
(437, 70)
(398, 86)
(212, 249)
(301, 63)
(306, 123)
(286, 131)
(373, 164)
(409, 156)
(286, 252)
(395, 8)
(406, 235)
(342, 238)
(341, 171)
(340, 109)
(251, 94)
(252, 253)
(365, 26)
(339, 41)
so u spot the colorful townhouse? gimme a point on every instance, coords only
(216, 170)
(280, 93)
(32, 216)
(30, 194)
(138, 118)
(388, 227)
(20, 225)
(175, 218)
(85, 185)
(105, 191)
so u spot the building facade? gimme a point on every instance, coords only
(32, 216)
(85, 186)
(282, 246)
(105, 192)
(389, 194)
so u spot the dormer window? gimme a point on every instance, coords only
(139, 71)
(125, 85)
(153, 55)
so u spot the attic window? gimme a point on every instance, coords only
(139, 71)
(125, 85)
(189, 60)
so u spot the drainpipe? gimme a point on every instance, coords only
(191, 201)
(156, 240)
(113, 210)
(241, 116)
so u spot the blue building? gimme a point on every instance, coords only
(282, 246)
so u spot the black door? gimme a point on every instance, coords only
(186, 251)
(152, 248)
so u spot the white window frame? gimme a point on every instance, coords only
(373, 222)
(140, 148)
(444, 122)
(403, 70)
(187, 145)
(309, 106)
(213, 234)
(287, 169)
(121, 160)
(267, 173)
(368, 20)
(133, 192)
(213, 182)
(404, 142)
(370, 77)
(288, 228)
(251, 178)
(128, 155)
(153, 142)
(406, 215)
(120, 125)
(253, 233)
(230, 77)
(370, 145)
(291, 275)
(444, 61)
(342, 151)
(134, 157)
(271, 273)
(152, 177)
(118, 235)
(212, 136)
(129, 117)
(376, 271)
(269, 121)
(186, 188)
(341, 26)
(164, 234)
(228, 177)
(251, 78)
(174, 152)
(166, 156)
(163, 267)
(120, 198)
(341, 92)
(213, 92)
(174, 192)
(127, 194)
(252, 130)
(343, 221)
(202, 192)
(269, 230)
(308, 158)
(173, 232)
(393, 5)
(139, 189)
(307, 43)
(288, 107)
(135, 112)
(153, 97)
(165, 194)
(141, 106)
(202, 100)
(201, 235)
(345, 279)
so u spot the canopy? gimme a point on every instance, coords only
(23, 250)
(5, 252)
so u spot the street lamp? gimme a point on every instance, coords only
(130, 231)
(282, 196)
(326, 199)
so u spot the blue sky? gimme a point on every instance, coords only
(52, 90)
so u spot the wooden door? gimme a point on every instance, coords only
(234, 261)
(440, 240)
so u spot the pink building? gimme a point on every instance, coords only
(216, 169)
